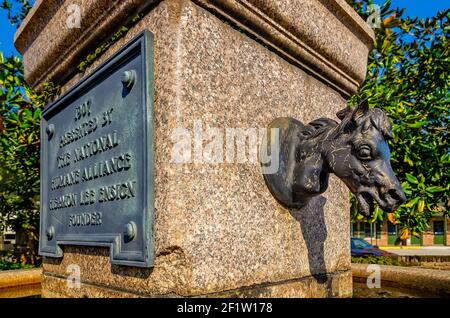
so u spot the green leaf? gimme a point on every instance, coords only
(411, 178)
(418, 124)
(435, 189)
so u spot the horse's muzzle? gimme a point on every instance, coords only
(388, 200)
(394, 198)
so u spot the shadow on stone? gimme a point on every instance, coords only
(125, 92)
(312, 222)
(52, 260)
(129, 271)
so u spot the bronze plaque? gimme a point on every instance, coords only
(97, 160)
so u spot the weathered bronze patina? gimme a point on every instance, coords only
(97, 160)
(356, 150)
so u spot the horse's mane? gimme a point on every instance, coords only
(317, 127)
(372, 117)
(379, 120)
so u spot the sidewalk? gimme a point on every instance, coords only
(413, 251)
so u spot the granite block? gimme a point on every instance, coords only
(338, 286)
(57, 287)
(217, 226)
(225, 65)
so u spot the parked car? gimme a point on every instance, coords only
(361, 248)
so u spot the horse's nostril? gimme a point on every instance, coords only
(393, 194)
(397, 195)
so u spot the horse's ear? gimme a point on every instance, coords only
(343, 112)
(349, 116)
(361, 110)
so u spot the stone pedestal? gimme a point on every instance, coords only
(226, 65)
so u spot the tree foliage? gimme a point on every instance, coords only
(16, 10)
(408, 77)
(20, 114)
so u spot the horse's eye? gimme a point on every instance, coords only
(364, 152)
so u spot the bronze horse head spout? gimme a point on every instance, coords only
(356, 150)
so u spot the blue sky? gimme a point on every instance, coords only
(420, 8)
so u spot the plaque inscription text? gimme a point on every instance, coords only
(97, 160)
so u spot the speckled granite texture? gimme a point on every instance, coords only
(327, 38)
(324, 37)
(219, 232)
(339, 284)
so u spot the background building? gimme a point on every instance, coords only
(7, 241)
(386, 233)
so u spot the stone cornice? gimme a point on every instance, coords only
(326, 38)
